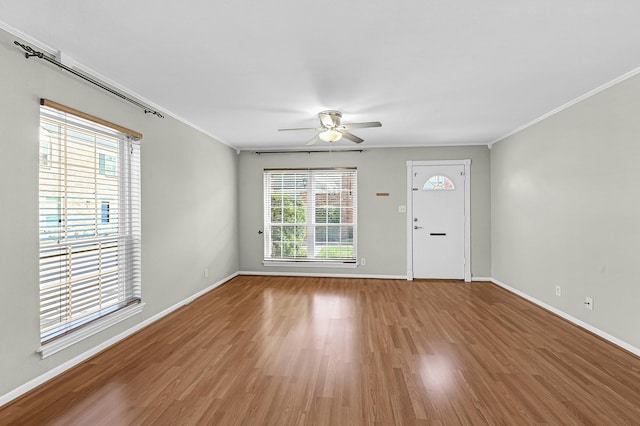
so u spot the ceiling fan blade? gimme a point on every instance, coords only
(348, 126)
(315, 139)
(351, 136)
(301, 128)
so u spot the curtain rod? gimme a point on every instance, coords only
(280, 169)
(306, 151)
(30, 52)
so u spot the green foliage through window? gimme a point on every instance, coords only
(310, 215)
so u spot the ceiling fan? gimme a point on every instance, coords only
(332, 130)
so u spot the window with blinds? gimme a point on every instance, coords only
(310, 215)
(90, 235)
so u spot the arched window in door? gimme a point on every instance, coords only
(438, 183)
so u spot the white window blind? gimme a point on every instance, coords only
(90, 233)
(310, 215)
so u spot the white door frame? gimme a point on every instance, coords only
(467, 212)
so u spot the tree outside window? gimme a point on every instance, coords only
(310, 215)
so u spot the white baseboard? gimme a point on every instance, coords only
(576, 321)
(20, 390)
(481, 279)
(323, 275)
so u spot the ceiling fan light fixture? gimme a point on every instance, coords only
(333, 130)
(330, 135)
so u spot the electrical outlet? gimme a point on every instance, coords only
(206, 272)
(363, 261)
(588, 303)
(558, 291)
(402, 209)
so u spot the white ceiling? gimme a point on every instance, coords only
(434, 72)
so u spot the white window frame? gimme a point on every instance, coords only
(310, 223)
(125, 276)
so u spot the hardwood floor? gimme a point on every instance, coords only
(337, 351)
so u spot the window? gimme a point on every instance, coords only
(438, 183)
(45, 152)
(104, 212)
(310, 215)
(107, 164)
(89, 189)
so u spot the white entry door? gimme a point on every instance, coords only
(438, 221)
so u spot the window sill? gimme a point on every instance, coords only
(89, 330)
(302, 264)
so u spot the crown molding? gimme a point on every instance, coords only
(569, 104)
(106, 80)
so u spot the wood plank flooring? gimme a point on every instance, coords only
(338, 351)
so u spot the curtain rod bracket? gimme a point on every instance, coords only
(30, 52)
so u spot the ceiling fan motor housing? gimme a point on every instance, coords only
(330, 118)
